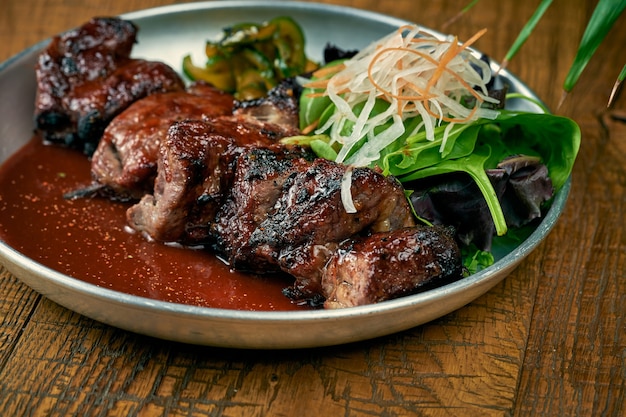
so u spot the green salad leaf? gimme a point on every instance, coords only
(481, 145)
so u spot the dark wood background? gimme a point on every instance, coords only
(550, 340)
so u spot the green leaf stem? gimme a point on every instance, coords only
(526, 31)
(601, 21)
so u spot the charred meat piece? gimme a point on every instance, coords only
(125, 162)
(260, 175)
(195, 170)
(311, 220)
(86, 76)
(307, 220)
(388, 265)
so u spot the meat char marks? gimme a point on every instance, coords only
(259, 182)
(124, 165)
(195, 171)
(289, 214)
(410, 259)
(86, 76)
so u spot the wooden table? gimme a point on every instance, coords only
(549, 340)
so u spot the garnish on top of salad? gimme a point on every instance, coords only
(408, 74)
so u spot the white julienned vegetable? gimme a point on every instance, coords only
(420, 75)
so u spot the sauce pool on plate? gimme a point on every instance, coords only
(88, 239)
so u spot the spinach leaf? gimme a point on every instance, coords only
(555, 139)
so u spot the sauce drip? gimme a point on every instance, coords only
(88, 239)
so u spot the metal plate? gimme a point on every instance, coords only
(167, 34)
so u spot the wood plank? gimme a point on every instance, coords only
(17, 303)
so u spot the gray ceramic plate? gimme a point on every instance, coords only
(167, 34)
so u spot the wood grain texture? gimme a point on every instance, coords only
(17, 302)
(549, 340)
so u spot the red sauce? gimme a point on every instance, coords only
(88, 239)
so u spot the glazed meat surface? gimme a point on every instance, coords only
(310, 219)
(259, 178)
(125, 162)
(86, 76)
(388, 265)
(303, 219)
(195, 170)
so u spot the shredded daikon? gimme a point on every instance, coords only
(346, 191)
(420, 75)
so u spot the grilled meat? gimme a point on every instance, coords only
(125, 162)
(86, 76)
(124, 165)
(388, 265)
(258, 183)
(310, 219)
(301, 219)
(195, 170)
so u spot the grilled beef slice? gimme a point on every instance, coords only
(301, 219)
(258, 183)
(125, 162)
(388, 265)
(195, 170)
(86, 76)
